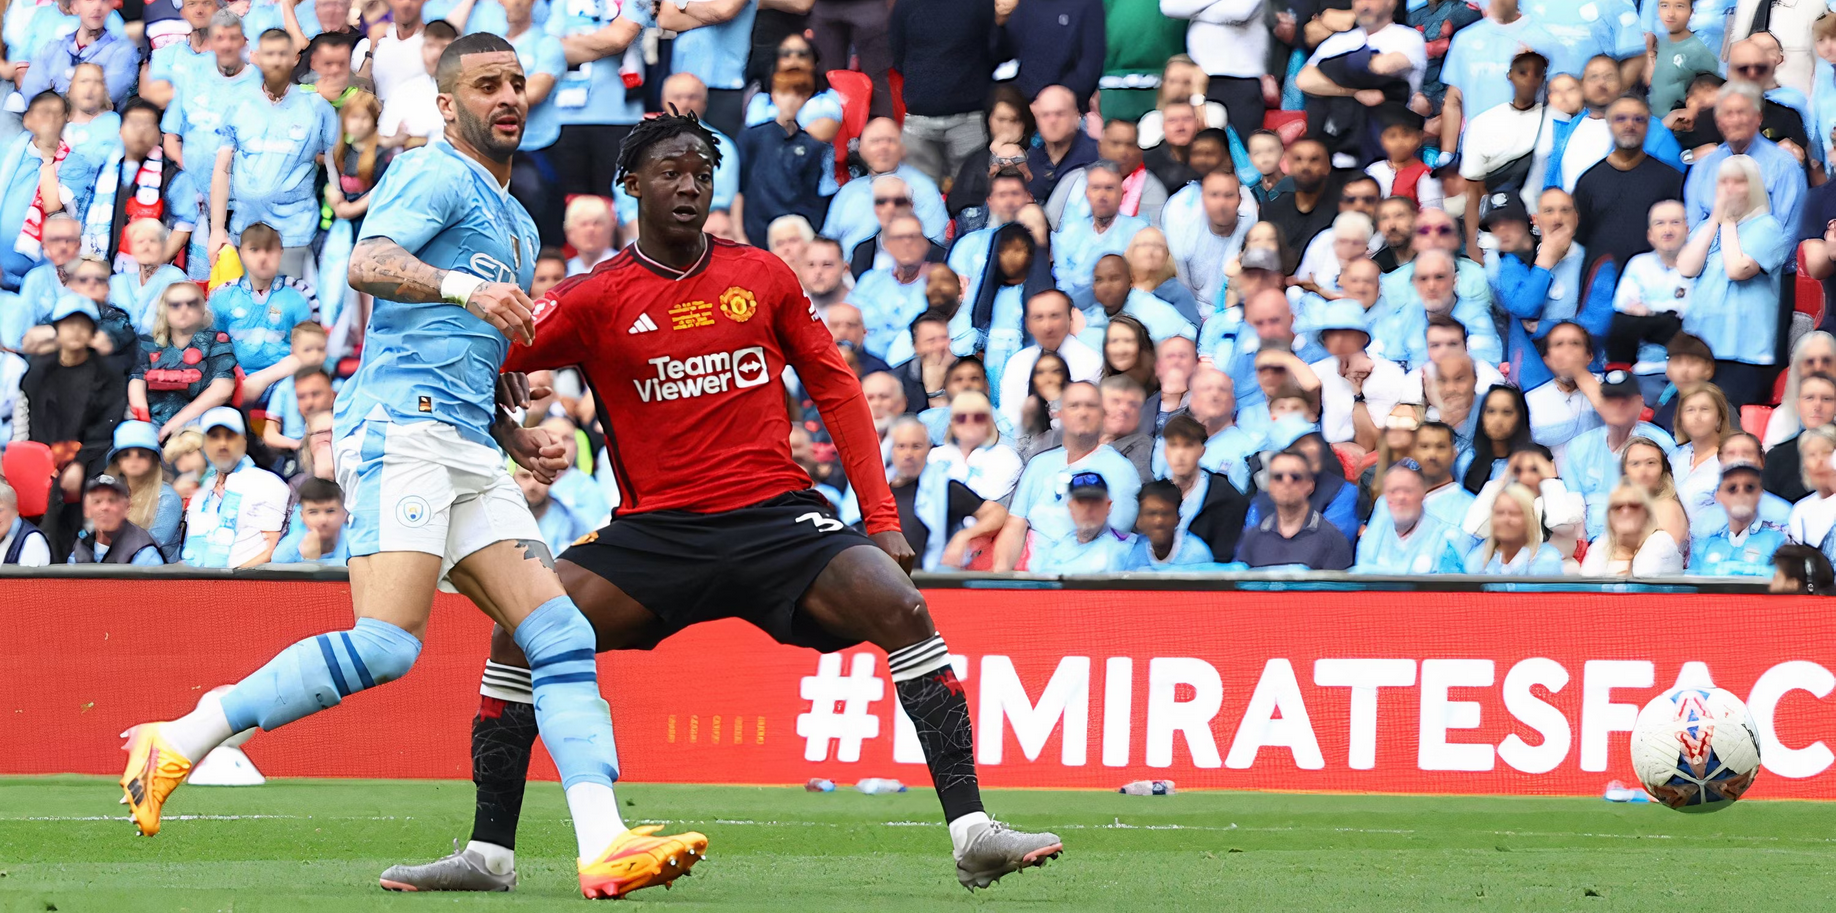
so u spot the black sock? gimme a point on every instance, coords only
(933, 698)
(503, 736)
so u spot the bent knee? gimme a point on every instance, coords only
(504, 650)
(386, 651)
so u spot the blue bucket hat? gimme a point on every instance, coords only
(135, 436)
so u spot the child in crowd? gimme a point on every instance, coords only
(317, 530)
(1676, 57)
(259, 310)
(1403, 173)
(1265, 152)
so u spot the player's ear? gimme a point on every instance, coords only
(448, 105)
(630, 180)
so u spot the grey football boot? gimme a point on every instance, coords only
(464, 870)
(994, 850)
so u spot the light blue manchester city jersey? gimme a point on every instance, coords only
(438, 362)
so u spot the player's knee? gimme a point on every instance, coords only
(910, 618)
(504, 649)
(555, 632)
(386, 651)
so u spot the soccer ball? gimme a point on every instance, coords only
(1696, 749)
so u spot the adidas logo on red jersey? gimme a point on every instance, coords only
(643, 325)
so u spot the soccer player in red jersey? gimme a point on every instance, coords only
(683, 338)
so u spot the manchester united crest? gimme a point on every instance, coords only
(738, 304)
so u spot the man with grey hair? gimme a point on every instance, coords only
(939, 515)
(1080, 242)
(892, 198)
(851, 220)
(1738, 110)
(22, 544)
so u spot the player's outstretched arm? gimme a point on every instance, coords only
(386, 270)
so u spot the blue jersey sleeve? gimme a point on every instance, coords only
(550, 58)
(412, 203)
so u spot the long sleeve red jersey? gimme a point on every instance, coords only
(685, 367)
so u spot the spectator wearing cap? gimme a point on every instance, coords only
(939, 514)
(1356, 386)
(1540, 283)
(321, 519)
(1737, 256)
(1294, 533)
(1406, 540)
(22, 544)
(186, 367)
(1039, 515)
(1211, 508)
(108, 536)
(1744, 545)
(1092, 547)
(152, 504)
(70, 399)
(1162, 541)
(1591, 461)
(235, 517)
(1112, 293)
(1514, 543)
(1048, 319)
(1081, 240)
(1774, 511)
(1202, 239)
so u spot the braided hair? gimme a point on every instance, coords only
(657, 128)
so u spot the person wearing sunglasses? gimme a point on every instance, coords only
(1633, 544)
(1294, 533)
(1462, 291)
(973, 450)
(186, 367)
(1744, 545)
(892, 198)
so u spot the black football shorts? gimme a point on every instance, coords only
(753, 563)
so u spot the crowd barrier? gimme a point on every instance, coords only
(1389, 686)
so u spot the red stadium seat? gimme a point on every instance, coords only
(895, 80)
(1349, 460)
(1778, 388)
(1753, 418)
(30, 469)
(856, 91)
(1291, 125)
(1809, 298)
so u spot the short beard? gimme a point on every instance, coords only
(479, 134)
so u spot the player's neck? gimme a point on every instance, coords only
(679, 254)
(497, 169)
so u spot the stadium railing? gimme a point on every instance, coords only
(1316, 682)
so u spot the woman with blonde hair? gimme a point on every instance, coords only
(1634, 544)
(185, 454)
(1736, 256)
(972, 452)
(1150, 265)
(153, 505)
(1703, 422)
(1813, 353)
(185, 367)
(1515, 545)
(1644, 464)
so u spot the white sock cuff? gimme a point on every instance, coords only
(507, 683)
(921, 658)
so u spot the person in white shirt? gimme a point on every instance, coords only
(1039, 515)
(1569, 403)
(1229, 39)
(1652, 296)
(235, 517)
(1633, 545)
(413, 111)
(1353, 237)
(1048, 318)
(1201, 245)
(1354, 384)
(396, 58)
(1510, 136)
(1397, 51)
(588, 224)
(22, 544)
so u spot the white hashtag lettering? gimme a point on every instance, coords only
(854, 723)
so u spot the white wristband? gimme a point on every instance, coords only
(457, 287)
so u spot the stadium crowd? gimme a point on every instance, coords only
(1400, 288)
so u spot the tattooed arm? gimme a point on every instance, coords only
(382, 268)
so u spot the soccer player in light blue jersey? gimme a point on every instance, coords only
(446, 252)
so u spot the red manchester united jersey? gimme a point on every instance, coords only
(685, 368)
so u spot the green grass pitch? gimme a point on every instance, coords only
(319, 844)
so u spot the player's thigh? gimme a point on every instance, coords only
(396, 587)
(508, 579)
(619, 621)
(863, 594)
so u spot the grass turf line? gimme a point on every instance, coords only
(64, 845)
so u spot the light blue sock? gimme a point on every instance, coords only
(319, 672)
(575, 722)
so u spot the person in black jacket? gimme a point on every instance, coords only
(944, 50)
(1217, 520)
(781, 166)
(70, 400)
(109, 537)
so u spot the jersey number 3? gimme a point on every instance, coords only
(823, 524)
